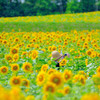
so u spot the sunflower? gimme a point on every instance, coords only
(98, 69)
(86, 43)
(34, 40)
(34, 54)
(65, 43)
(67, 75)
(16, 40)
(94, 54)
(76, 78)
(36, 46)
(25, 82)
(91, 96)
(43, 50)
(4, 70)
(56, 78)
(98, 55)
(15, 81)
(82, 79)
(45, 96)
(15, 93)
(59, 46)
(30, 97)
(29, 45)
(27, 67)
(89, 52)
(24, 54)
(82, 73)
(86, 62)
(44, 68)
(4, 42)
(14, 67)
(50, 71)
(49, 88)
(40, 79)
(8, 57)
(66, 90)
(14, 50)
(15, 57)
(32, 44)
(63, 62)
(49, 48)
(54, 48)
(96, 79)
(85, 47)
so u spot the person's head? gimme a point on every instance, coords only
(56, 55)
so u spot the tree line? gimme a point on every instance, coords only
(11, 8)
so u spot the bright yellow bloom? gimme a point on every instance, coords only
(86, 62)
(15, 81)
(27, 67)
(30, 97)
(4, 70)
(56, 78)
(49, 88)
(15, 57)
(66, 90)
(67, 75)
(44, 68)
(25, 82)
(41, 78)
(8, 57)
(63, 62)
(91, 96)
(50, 71)
(14, 67)
(34, 54)
(14, 50)
(98, 69)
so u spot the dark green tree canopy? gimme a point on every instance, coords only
(10, 8)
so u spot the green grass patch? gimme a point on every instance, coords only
(48, 26)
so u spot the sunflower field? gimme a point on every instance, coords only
(26, 69)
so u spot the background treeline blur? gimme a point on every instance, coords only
(10, 8)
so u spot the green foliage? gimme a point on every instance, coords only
(45, 7)
(88, 5)
(48, 27)
(73, 6)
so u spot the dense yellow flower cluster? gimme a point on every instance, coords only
(13, 94)
(53, 81)
(25, 62)
(83, 17)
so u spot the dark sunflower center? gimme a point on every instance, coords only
(89, 53)
(9, 58)
(14, 51)
(15, 67)
(27, 67)
(16, 81)
(25, 83)
(56, 80)
(41, 78)
(66, 91)
(50, 89)
(4, 70)
(66, 76)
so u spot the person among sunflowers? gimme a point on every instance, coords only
(59, 57)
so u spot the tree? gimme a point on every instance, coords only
(73, 6)
(97, 5)
(88, 5)
(61, 5)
